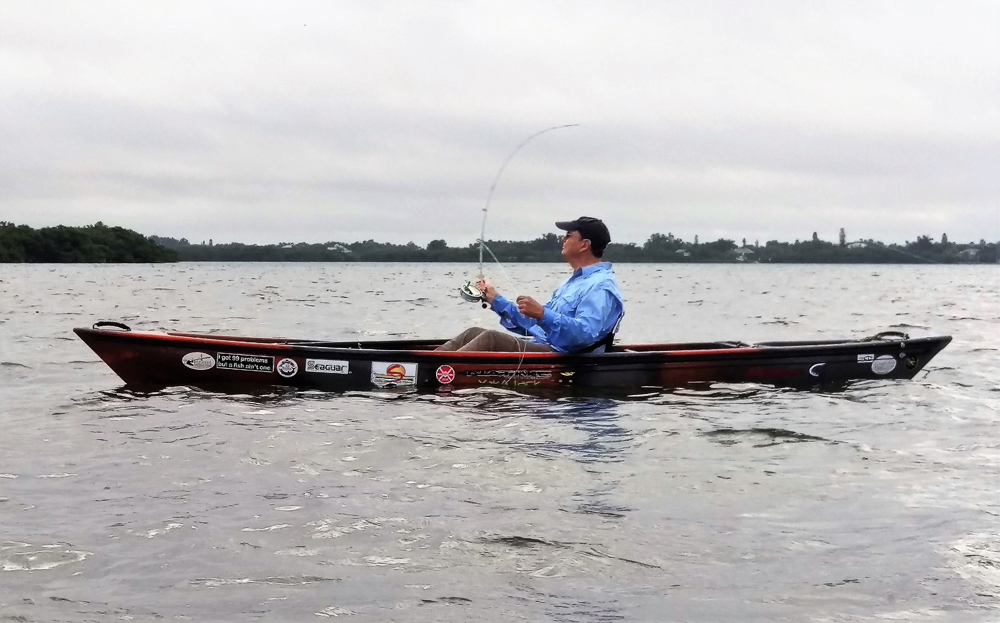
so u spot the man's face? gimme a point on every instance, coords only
(573, 245)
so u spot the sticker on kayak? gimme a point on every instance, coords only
(884, 364)
(866, 358)
(287, 368)
(327, 366)
(198, 361)
(391, 374)
(245, 363)
(445, 374)
(509, 374)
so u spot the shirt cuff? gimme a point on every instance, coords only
(499, 304)
(548, 319)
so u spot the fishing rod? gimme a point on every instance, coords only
(468, 291)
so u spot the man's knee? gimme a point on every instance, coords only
(461, 339)
(470, 334)
(493, 341)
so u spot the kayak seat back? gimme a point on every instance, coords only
(604, 344)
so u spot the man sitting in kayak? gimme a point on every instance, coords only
(582, 313)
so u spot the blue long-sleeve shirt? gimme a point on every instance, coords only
(582, 311)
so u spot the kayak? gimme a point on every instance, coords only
(230, 363)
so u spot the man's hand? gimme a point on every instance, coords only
(489, 292)
(529, 307)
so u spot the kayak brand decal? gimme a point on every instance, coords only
(391, 374)
(245, 363)
(445, 374)
(509, 374)
(287, 368)
(327, 366)
(884, 364)
(510, 377)
(198, 361)
(866, 358)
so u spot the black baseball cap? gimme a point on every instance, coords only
(592, 229)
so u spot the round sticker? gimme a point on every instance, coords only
(396, 371)
(445, 374)
(884, 364)
(198, 361)
(287, 368)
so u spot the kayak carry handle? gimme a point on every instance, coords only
(101, 324)
(886, 335)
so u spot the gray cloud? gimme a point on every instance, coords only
(348, 121)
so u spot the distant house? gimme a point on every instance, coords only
(857, 245)
(968, 255)
(742, 254)
(683, 252)
(339, 247)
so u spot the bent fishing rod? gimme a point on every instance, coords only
(468, 291)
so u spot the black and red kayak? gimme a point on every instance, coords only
(237, 363)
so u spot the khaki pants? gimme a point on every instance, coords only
(487, 340)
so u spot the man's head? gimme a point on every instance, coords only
(585, 235)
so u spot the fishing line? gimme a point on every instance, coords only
(470, 292)
(510, 281)
(493, 187)
(520, 360)
(885, 246)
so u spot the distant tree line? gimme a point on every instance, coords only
(659, 248)
(96, 243)
(100, 243)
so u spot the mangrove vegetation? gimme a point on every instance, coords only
(100, 243)
(95, 243)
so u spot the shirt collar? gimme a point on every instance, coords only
(587, 271)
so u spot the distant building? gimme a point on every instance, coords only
(339, 247)
(968, 255)
(857, 245)
(742, 254)
(683, 252)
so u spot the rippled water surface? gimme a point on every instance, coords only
(738, 502)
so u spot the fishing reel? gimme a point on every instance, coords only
(472, 294)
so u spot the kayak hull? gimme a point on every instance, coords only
(239, 363)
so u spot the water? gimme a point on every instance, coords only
(740, 502)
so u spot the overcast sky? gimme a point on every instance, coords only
(302, 121)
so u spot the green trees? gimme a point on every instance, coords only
(15, 241)
(100, 243)
(95, 243)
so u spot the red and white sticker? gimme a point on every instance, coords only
(394, 374)
(445, 374)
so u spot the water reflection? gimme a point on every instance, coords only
(600, 438)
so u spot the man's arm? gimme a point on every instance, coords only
(511, 318)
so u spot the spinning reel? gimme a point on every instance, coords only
(472, 294)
